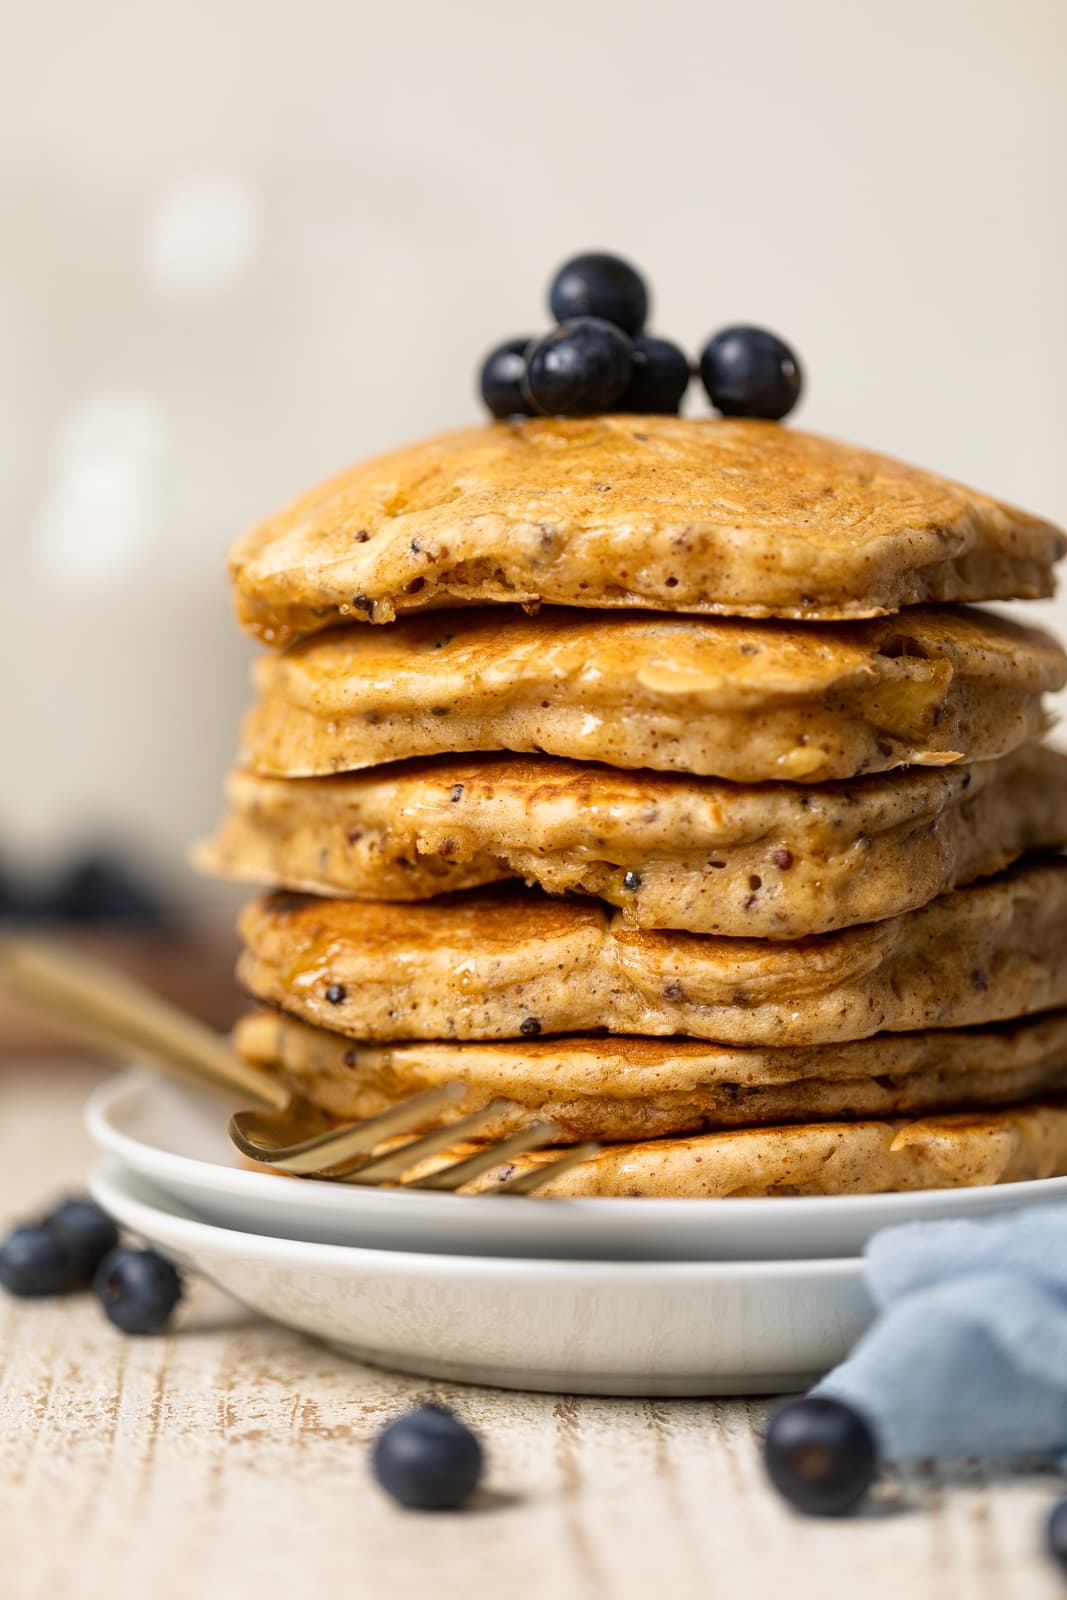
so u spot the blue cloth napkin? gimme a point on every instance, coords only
(968, 1355)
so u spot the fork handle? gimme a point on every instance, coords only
(104, 1007)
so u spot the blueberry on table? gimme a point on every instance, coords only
(821, 1455)
(100, 889)
(1056, 1533)
(138, 1290)
(501, 379)
(580, 368)
(14, 906)
(749, 372)
(660, 377)
(35, 1261)
(88, 1233)
(600, 285)
(428, 1459)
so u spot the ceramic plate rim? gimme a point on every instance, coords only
(108, 1172)
(118, 1089)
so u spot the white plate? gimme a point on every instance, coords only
(577, 1327)
(176, 1138)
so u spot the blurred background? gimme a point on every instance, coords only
(245, 243)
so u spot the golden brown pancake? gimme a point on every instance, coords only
(677, 514)
(497, 965)
(632, 1089)
(772, 862)
(954, 1150)
(747, 701)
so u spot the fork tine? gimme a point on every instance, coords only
(529, 1137)
(529, 1182)
(380, 1169)
(325, 1151)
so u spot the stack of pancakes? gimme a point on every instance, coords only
(647, 774)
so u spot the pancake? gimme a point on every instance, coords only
(497, 965)
(747, 701)
(955, 1150)
(633, 1089)
(725, 516)
(774, 862)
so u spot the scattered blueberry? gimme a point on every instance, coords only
(749, 372)
(580, 368)
(13, 903)
(660, 377)
(600, 285)
(34, 1260)
(101, 889)
(428, 1459)
(138, 1290)
(87, 1232)
(821, 1455)
(1056, 1533)
(502, 376)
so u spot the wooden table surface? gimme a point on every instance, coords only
(228, 1460)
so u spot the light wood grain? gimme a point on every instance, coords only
(228, 1461)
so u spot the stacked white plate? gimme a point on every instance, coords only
(649, 1297)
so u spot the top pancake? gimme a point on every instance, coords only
(727, 516)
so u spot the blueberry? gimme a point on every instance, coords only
(13, 904)
(749, 372)
(660, 377)
(138, 1289)
(599, 285)
(428, 1459)
(98, 889)
(1056, 1533)
(821, 1455)
(35, 1261)
(88, 1233)
(580, 368)
(501, 379)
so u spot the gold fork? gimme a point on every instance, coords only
(104, 1008)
